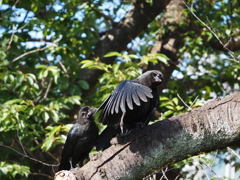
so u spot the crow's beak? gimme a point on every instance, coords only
(157, 79)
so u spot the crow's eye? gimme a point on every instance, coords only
(154, 74)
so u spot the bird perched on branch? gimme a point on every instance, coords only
(80, 140)
(132, 102)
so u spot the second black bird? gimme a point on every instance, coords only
(80, 140)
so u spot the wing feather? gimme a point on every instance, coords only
(125, 95)
(135, 97)
(129, 101)
(147, 91)
(141, 95)
(123, 101)
(118, 102)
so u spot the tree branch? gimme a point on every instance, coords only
(36, 50)
(213, 126)
(116, 39)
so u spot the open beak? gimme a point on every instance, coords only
(157, 79)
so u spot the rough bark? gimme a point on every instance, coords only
(213, 126)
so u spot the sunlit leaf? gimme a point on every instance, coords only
(111, 54)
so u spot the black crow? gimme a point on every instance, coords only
(80, 140)
(132, 102)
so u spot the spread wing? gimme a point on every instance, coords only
(125, 95)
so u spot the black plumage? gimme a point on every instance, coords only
(80, 140)
(132, 102)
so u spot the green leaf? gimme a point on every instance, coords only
(55, 79)
(86, 61)
(53, 69)
(76, 101)
(31, 111)
(83, 84)
(11, 77)
(5, 78)
(47, 143)
(55, 116)
(35, 86)
(19, 78)
(15, 38)
(40, 74)
(41, 66)
(133, 56)
(32, 76)
(14, 101)
(45, 73)
(45, 116)
(168, 113)
(111, 54)
(2, 56)
(87, 64)
(4, 62)
(115, 68)
(30, 80)
(175, 100)
(164, 98)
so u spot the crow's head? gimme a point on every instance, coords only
(87, 112)
(157, 78)
(151, 78)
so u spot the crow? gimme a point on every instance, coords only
(132, 102)
(80, 140)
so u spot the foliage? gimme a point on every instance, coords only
(11, 170)
(44, 45)
(129, 66)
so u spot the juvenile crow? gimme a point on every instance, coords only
(132, 102)
(80, 140)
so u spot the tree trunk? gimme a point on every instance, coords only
(213, 126)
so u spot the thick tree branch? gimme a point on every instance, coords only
(213, 126)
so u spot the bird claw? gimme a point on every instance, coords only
(117, 140)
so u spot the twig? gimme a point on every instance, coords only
(176, 177)
(16, 3)
(63, 67)
(189, 107)
(11, 38)
(163, 172)
(25, 17)
(210, 29)
(28, 156)
(209, 166)
(41, 174)
(232, 151)
(36, 50)
(183, 102)
(21, 142)
(48, 88)
(194, 101)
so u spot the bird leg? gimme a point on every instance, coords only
(145, 123)
(70, 161)
(121, 122)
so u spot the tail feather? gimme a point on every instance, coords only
(103, 140)
(64, 165)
